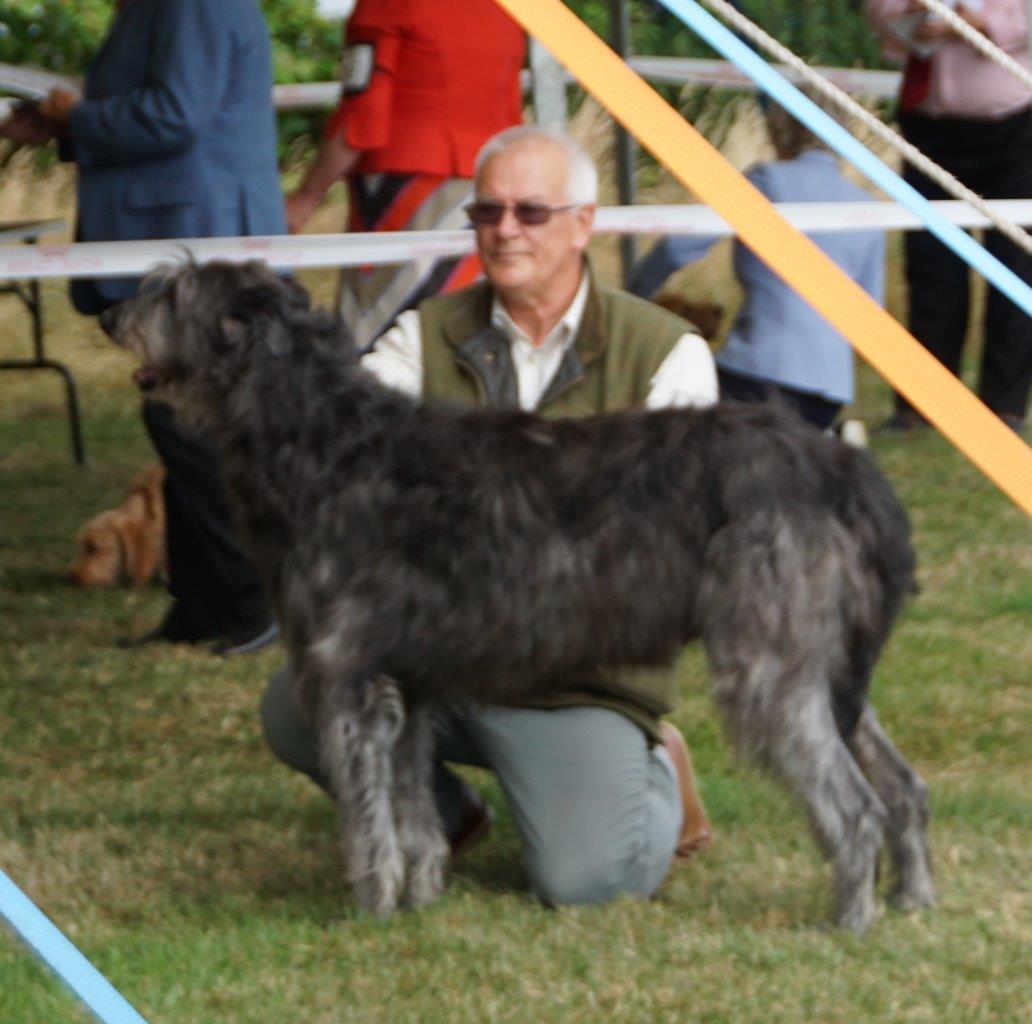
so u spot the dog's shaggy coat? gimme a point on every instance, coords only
(418, 553)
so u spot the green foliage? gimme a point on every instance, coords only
(306, 47)
(829, 32)
(61, 37)
(51, 34)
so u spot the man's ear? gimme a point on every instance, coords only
(584, 222)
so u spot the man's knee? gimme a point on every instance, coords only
(572, 878)
(286, 730)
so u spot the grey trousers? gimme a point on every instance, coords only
(597, 808)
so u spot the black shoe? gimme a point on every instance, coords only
(171, 631)
(247, 641)
(476, 821)
(904, 421)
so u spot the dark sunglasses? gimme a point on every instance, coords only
(486, 212)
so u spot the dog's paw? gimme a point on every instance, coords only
(376, 873)
(908, 899)
(378, 892)
(857, 915)
(426, 876)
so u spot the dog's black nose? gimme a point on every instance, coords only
(109, 321)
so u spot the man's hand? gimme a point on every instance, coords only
(26, 125)
(975, 18)
(334, 159)
(58, 106)
(933, 28)
(300, 206)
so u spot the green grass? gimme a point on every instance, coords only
(141, 811)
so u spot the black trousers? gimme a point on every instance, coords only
(215, 586)
(994, 159)
(815, 410)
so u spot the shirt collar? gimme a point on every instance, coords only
(564, 331)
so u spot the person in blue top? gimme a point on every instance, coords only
(175, 137)
(778, 345)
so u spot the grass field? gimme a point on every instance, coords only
(140, 810)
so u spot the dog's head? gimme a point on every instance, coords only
(196, 328)
(705, 316)
(113, 547)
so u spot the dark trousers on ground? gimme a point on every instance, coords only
(815, 410)
(994, 158)
(216, 589)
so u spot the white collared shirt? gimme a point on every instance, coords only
(686, 377)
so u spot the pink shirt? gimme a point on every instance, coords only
(965, 84)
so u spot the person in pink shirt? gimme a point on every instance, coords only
(973, 118)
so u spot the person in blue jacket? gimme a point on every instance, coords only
(175, 137)
(779, 345)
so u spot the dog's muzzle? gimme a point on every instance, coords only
(143, 377)
(109, 321)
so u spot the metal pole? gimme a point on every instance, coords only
(548, 87)
(619, 34)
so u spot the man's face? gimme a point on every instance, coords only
(531, 262)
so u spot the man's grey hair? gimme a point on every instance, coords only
(581, 172)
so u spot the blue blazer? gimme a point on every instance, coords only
(777, 336)
(176, 134)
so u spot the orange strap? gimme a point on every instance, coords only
(993, 447)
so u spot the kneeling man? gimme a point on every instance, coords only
(600, 789)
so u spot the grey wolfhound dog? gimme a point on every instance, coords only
(418, 553)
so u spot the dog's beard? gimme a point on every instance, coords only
(194, 415)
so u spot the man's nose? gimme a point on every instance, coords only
(508, 225)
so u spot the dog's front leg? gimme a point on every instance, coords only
(415, 810)
(359, 727)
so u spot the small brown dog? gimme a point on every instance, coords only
(705, 315)
(124, 544)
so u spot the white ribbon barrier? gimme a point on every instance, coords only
(662, 70)
(131, 259)
(35, 83)
(693, 71)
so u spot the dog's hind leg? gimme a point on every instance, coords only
(420, 832)
(359, 725)
(905, 797)
(774, 640)
(797, 740)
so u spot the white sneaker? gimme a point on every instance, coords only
(854, 432)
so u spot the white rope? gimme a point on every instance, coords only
(928, 167)
(976, 39)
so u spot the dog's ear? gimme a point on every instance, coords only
(262, 313)
(139, 552)
(297, 295)
(184, 286)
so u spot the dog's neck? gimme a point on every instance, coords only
(279, 417)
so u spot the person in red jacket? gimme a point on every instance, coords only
(424, 84)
